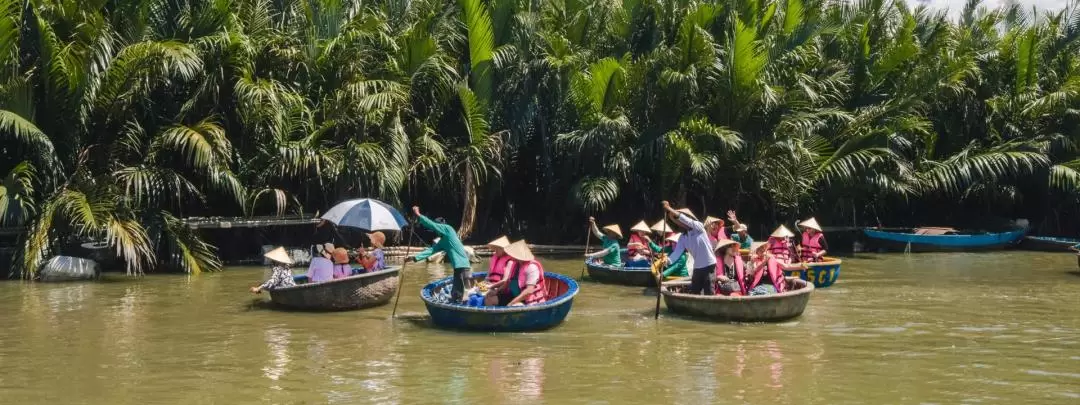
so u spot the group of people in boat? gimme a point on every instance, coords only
(329, 263)
(711, 253)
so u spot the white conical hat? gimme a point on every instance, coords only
(279, 255)
(687, 212)
(520, 251)
(674, 237)
(741, 227)
(614, 228)
(720, 244)
(641, 227)
(500, 242)
(710, 219)
(782, 232)
(757, 245)
(661, 226)
(811, 223)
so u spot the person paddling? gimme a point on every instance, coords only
(813, 246)
(525, 284)
(609, 240)
(280, 273)
(697, 243)
(448, 242)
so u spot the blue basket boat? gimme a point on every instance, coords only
(503, 319)
(941, 242)
(1048, 243)
(635, 276)
(822, 274)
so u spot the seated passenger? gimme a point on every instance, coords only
(376, 259)
(525, 285)
(609, 240)
(321, 268)
(499, 260)
(729, 268)
(813, 246)
(780, 246)
(640, 248)
(741, 234)
(340, 257)
(714, 227)
(766, 276)
(680, 267)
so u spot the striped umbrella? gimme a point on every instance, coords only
(367, 214)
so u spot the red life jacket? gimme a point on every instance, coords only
(539, 294)
(776, 276)
(497, 267)
(811, 245)
(780, 249)
(632, 251)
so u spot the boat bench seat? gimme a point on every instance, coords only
(555, 288)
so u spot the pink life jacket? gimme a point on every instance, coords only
(780, 249)
(811, 245)
(540, 293)
(740, 273)
(497, 268)
(776, 276)
(632, 251)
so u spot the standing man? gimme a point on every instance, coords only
(448, 242)
(696, 241)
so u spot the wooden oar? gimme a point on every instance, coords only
(588, 239)
(401, 274)
(658, 267)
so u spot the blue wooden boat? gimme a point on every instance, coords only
(944, 241)
(503, 319)
(1048, 243)
(635, 276)
(822, 274)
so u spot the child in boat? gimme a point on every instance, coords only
(730, 268)
(641, 247)
(321, 267)
(609, 240)
(680, 267)
(812, 246)
(740, 235)
(280, 274)
(766, 276)
(696, 243)
(525, 284)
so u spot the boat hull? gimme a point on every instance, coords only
(503, 319)
(1047, 244)
(762, 308)
(349, 293)
(823, 274)
(635, 276)
(909, 242)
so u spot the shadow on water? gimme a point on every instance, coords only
(1074, 272)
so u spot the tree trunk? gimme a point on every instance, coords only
(468, 212)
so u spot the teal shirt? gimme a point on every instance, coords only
(743, 243)
(613, 256)
(448, 242)
(677, 268)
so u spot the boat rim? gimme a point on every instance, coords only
(617, 268)
(807, 289)
(339, 280)
(826, 261)
(572, 290)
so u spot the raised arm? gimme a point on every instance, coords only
(595, 230)
(731, 217)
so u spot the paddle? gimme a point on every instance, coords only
(660, 274)
(588, 238)
(401, 275)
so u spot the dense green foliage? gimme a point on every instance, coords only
(117, 117)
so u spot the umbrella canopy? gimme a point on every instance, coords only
(366, 213)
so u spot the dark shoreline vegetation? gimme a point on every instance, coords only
(118, 118)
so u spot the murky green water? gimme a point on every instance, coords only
(941, 328)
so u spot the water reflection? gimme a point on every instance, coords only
(277, 342)
(515, 381)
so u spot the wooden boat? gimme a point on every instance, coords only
(1047, 243)
(636, 276)
(761, 308)
(503, 319)
(822, 274)
(941, 239)
(355, 292)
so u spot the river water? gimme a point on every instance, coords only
(898, 329)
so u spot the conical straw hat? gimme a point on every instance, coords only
(614, 228)
(661, 226)
(641, 227)
(687, 212)
(500, 242)
(757, 245)
(724, 243)
(378, 239)
(279, 255)
(711, 219)
(674, 237)
(741, 227)
(782, 232)
(811, 223)
(519, 251)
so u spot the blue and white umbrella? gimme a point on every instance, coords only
(367, 214)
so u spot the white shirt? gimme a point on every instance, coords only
(696, 241)
(532, 274)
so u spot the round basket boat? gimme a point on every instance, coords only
(761, 308)
(503, 319)
(822, 274)
(635, 276)
(355, 292)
